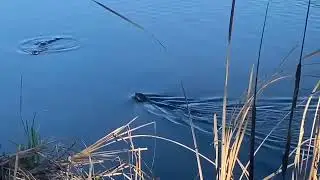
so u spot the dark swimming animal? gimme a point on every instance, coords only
(43, 45)
(269, 113)
(48, 44)
(139, 97)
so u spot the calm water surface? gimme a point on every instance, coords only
(86, 92)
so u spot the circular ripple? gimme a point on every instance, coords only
(48, 44)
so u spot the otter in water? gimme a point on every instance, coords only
(139, 97)
(48, 44)
(43, 45)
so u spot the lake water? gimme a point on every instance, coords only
(86, 92)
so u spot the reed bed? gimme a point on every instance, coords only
(97, 161)
(103, 160)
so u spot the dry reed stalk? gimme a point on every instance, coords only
(95, 155)
(90, 167)
(133, 155)
(233, 146)
(272, 175)
(313, 175)
(311, 134)
(279, 170)
(216, 144)
(250, 83)
(193, 135)
(237, 143)
(140, 168)
(167, 140)
(224, 149)
(99, 144)
(239, 129)
(297, 165)
(267, 136)
(16, 164)
(263, 87)
(248, 97)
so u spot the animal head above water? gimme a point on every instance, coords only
(139, 97)
(48, 44)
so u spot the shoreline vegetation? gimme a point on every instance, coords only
(116, 155)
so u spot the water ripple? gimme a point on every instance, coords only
(269, 113)
(48, 44)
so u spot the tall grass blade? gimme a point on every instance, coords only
(298, 156)
(235, 135)
(193, 134)
(225, 96)
(316, 149)
(90, 167)
(16, 164)
(268, 135)
(253, 112)
(24, 124)
(294, 98)
(130, 21)
(216, 144)
(250, 83)
(241, 131)
(168, 140)
(311, 134)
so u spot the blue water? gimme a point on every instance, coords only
(86, 92)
